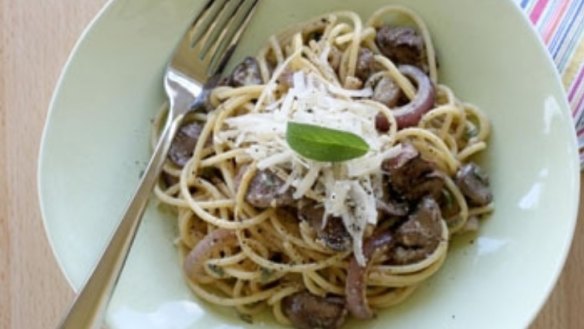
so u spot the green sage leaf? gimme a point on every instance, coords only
(324, 144)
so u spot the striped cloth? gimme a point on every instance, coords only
(561, 26)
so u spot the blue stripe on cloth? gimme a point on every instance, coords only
(567, 49)
(543, 21)
(573, 12)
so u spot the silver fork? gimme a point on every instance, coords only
(194, 69)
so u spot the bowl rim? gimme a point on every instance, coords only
(515, 6)
(42, 149)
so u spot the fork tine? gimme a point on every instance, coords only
(219, 26)
(231, 36)
(206, 18)
(202, 11)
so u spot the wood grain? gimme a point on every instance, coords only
(37, 37)
(35, 40)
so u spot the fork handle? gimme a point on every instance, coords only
(89, 306)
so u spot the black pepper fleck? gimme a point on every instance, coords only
(246, 318)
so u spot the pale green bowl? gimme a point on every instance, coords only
(96, 143)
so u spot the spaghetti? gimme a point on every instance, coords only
(251, 254)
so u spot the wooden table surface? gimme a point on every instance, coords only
(36, 38)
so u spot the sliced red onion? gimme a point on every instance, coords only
(356, 287)
(411, 113)
(213, 242)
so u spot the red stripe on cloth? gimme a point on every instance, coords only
(577, 107)
(580, 105)
(576, 84)
(555, 21)
(538, 10)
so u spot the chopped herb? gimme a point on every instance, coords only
(472, 132)
(215, 269)
(324, 144)
(448, 199)
(266, 274)
(246, 318)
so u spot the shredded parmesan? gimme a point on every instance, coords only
(335, 203)
(275, 159)
(367, 92)
(349, 189)
(308, 180)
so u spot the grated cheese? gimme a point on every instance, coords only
(348, 190)
(275, 160)
(308, 180)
